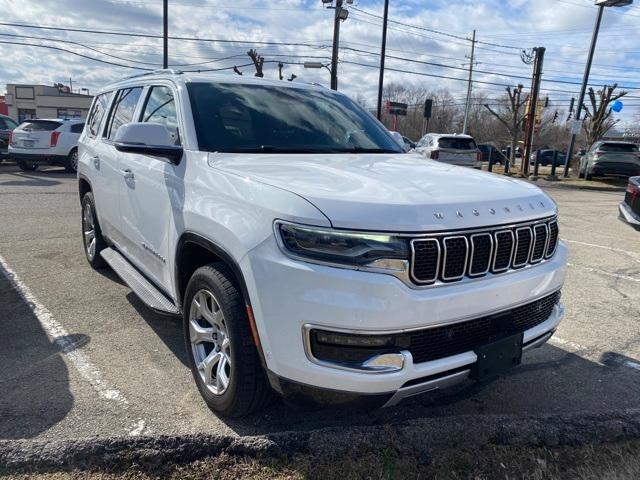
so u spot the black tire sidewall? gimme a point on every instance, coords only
(235, 320)
(26, 166)
(97, 261)
(68, 166)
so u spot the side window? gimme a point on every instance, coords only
(97, 113)
(77, 128)
(122, 110)
(3, 126)
(160, 107)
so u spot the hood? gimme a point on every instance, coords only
(393, 192)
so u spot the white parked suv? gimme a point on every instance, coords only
(305, 253)
(453, 149)
(53, 141)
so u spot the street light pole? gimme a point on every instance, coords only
(467, 105)
(383, 52)
(165, 36)
(587, 70)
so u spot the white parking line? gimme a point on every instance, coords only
(576, 347)
(604, 272)
(60, 337)
(612, 249)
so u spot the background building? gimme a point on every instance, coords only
(43, 101)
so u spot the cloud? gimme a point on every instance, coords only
(562, 26)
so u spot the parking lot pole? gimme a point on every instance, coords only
(583, 89)
(490, 159)
(165, 34)
(506, 166)
(553, 165)
(536, 163)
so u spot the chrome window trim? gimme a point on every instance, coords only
(472, 254)
(444, 259)
(555, 246)
(535, 238)
(526, 260)
(495, 253)
(413, 256)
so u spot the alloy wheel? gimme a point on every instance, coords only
(210, 343)
(89, 231)
(74, 160)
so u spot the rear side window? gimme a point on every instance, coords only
(97, 113)
(123, 109)
(160, 107)
(39, 126)
(457, 143)
(618, 147)
(77, 128)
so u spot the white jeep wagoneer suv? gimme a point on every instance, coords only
(305, 252)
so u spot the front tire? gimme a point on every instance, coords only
(71, 163)
(92, 238)
(27, 166)
(220, 350)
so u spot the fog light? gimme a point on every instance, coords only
(346, 340)
(385, 362)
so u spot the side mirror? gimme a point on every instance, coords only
(147, 139)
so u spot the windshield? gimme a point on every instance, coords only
(618, 147)
(457, 143)
(264, 118)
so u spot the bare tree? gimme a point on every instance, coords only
(258, 62)
(598, 120)
(511, 116)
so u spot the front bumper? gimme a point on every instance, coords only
(287, 294)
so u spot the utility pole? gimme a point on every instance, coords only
(383, 52)
(531, 114)
(467, 105)
(583, 89)
(336, 44)
(165, 37)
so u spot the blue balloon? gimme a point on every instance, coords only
(617, 106)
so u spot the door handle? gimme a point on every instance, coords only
(127, 174)
(96, 162)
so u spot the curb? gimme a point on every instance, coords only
(421, 435)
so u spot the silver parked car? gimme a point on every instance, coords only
(453, 149)
(610, 158)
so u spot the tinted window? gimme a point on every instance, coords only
(3, 125)
(10, 123)
(77, 128)
(123, 109)
(618, 147)
(97, 113)
(161, 108)
(263, 118)
(39, 126)
(457, 143)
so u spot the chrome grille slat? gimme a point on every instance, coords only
(450, 257)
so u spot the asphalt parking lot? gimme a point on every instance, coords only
(82, 357)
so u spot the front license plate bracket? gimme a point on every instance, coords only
(497, 357)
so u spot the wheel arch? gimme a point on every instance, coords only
(192, 252)
(84, 186)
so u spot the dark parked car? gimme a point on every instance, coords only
(7, 124)
(489, 151)
(630, 207)
(546, 157)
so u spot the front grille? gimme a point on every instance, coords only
(439, 342)
(451, 257)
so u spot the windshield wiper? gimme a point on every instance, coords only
(274, 149)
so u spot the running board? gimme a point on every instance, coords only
(149, 294)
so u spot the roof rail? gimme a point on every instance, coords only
(155, 72)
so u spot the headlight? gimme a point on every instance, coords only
(345, 248)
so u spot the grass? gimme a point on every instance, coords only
(616, 461)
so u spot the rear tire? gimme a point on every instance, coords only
(92, 238)
(588, 176)
(27, 166)
(220, 349)
(71, 163)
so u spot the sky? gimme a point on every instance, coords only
(427, 37)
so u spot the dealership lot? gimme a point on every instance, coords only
(84, 357)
